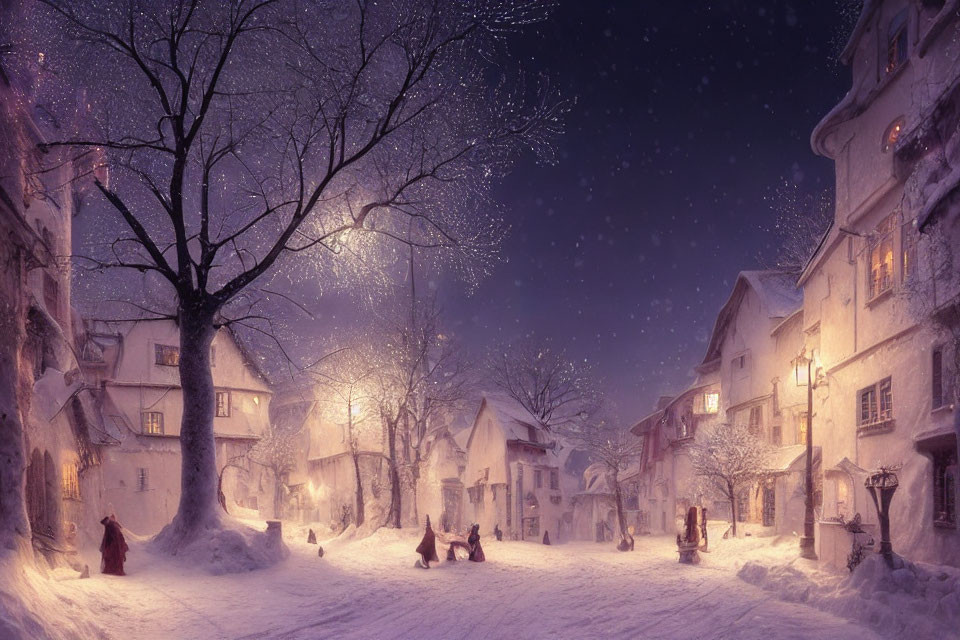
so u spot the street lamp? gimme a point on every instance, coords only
(802, 361)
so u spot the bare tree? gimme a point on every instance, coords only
(802, 221)
(348, 382)
(276, 451)
(423, 375)
(616, 449)
(241, 135)
(557, 391)
(729, 458)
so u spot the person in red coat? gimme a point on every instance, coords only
(114, 547)
(428, 546)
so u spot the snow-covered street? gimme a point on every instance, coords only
(369, 588)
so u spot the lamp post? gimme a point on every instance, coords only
(807, 549)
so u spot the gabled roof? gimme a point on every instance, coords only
(778, 295)
(515, 420)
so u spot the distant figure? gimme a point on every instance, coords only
(546, 537)
(476, 551)
(428, 546)
(498, 532)
(113, 548)
(311, 537)
(626, 542)
(319, 551)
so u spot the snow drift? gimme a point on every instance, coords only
(231, 547)
(911, 600)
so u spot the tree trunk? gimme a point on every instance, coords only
(618, 496)
(198, 473)
(277, 496)
(360, 510)
(733, 511)
(395, 497)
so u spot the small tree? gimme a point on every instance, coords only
(277, 451)
(348, 383)
(727, 459)
(616, 449)
(554, 389)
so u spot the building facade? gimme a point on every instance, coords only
(133, 366)
(513, 474)
(883, 276)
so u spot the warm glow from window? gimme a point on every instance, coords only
(881, 259)
(711, 402)
(70, 480)
(892, 134)
(256, 400)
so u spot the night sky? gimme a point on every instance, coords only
(688, 117)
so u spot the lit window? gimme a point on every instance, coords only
(152, 423)
(711, 402)
(908, 252)
(802, 428)
(70, 480)
(223, 404)
(881, 259)
(166, 355)
(897, 42)
(945, 487)
(142, 479)
(892, 134)
(876, 404)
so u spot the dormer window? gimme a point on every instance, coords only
(892, 134)
(897, 42)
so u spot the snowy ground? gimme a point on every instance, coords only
(370, 589)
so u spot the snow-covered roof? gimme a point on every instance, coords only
(783, 458)
(462, 437)
(778, 295)
(514, 419)
(597, 480)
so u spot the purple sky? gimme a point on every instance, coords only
(688, 116)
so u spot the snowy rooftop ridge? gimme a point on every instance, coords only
(778, 294)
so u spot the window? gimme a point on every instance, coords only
(936, 379)
(166, 355)
(537, 478)
(142, 479)
(70, 480)
(945, 487)
(777, 436)
(475, 493)
(881, 259)
(897, 42)
(223, 404)
(711, 402)
(740, 362)
(554, 479)
(151, 423)
(213, 357)
(687, 426)
(775, 392)
(802, 428)
(876, 404)
(908, 252)
(756, 420)
(892, 134)
(531, 433)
